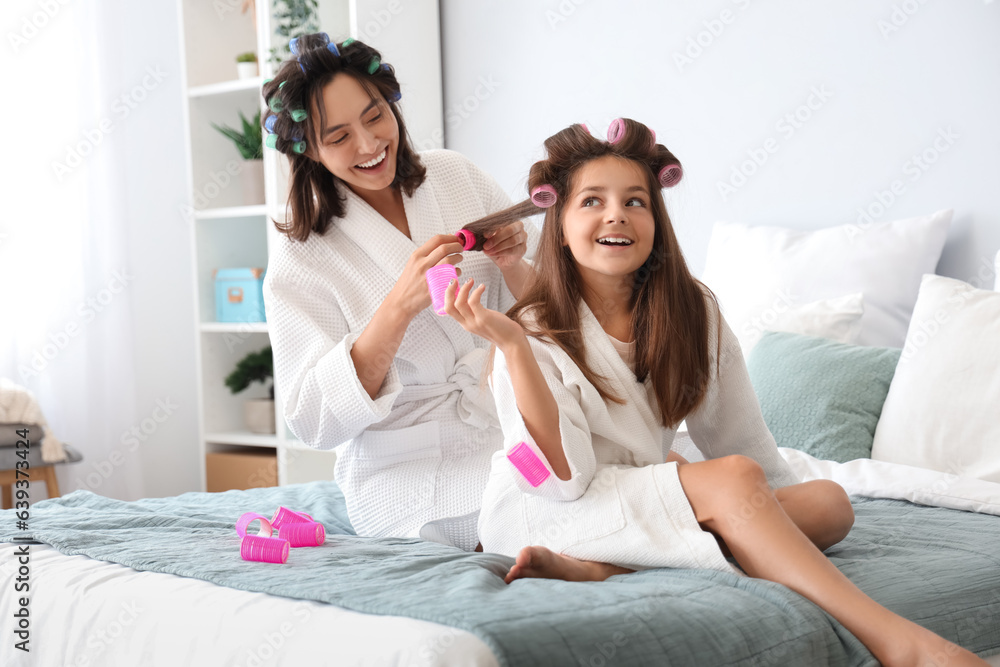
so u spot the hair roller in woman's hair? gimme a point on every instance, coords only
(332, 48)
(543, 196)
(468, 238)
(293, 46)
(616, 131)
(269, 123)
(271, 141)
(374, 64)
(585, 128)
(670, 175)
(652, 138)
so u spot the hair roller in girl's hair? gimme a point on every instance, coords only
(543, 196)
(332, 48)
(670, 175)
(652, 138)
(616, 131)
(585, 128)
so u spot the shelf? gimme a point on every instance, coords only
(224, 87)
(233, 327)
(231, 212)
(242, 438)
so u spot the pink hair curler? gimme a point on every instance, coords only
(283, 515)
(307, 534)
(544, 196)
(585, 128)
(652, 138)
(438, 278)
(616, 131)
(264, 549)
(248, 518)
(468, 238)
(670, 175)
(528, 464)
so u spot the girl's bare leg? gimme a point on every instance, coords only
(543, 563)
(731, 498)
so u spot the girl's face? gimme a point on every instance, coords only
(359, 141)
(607, 221)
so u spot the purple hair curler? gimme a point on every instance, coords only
(264, 549)
(249, 517)
(438, 278)
(303, 534)
(528, 464)
(544, 196)
(468, 238)
(269, 123)
(616, 131)
(670, 175)
(332, 48)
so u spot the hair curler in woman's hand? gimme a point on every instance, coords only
(469, 239)
(438, 278)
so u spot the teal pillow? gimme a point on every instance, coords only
(821, 396)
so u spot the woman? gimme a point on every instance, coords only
(363, 363)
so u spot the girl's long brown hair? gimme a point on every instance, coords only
(669, 306)
(315, 195)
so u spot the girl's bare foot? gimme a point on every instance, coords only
(543, 563)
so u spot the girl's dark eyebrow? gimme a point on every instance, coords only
(595, 188)
(374, 103)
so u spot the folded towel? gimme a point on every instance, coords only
(18, 406)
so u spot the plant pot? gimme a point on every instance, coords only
(252, 181)
(246, 70)
(259, 415)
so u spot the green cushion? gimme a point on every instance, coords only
(820, 396)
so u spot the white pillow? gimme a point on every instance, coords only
(753, 269)
(943, 407)
(837, 319)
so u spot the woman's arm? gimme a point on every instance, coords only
(377, 345)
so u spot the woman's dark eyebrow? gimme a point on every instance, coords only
(374, 103)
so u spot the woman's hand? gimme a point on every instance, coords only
(465, 307)
(410, 293)
(507, 245)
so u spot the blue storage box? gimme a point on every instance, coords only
(239, 295)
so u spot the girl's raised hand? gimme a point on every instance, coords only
(410, 293)
(465, 307)
(507, 245)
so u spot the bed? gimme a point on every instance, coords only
(160, 581)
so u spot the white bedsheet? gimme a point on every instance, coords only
(87, 613)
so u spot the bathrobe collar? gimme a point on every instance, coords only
(604, 360)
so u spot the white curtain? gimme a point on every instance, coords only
(65, 278)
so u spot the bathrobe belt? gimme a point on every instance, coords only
(475, 405)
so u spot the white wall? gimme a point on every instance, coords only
(894, 75)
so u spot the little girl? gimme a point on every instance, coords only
(612, 345)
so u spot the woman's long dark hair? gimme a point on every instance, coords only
(315, 195)
(669, 306)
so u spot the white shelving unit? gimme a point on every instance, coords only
(227, 231)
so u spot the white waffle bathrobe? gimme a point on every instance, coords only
(623, 505)
(420, 452)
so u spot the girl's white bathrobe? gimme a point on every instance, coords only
(413, 461)
(623, 505)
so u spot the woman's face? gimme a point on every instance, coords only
(607, 220)
(359, 138)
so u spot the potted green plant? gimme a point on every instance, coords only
(246, 65)
(255, 367)
(250, 143)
